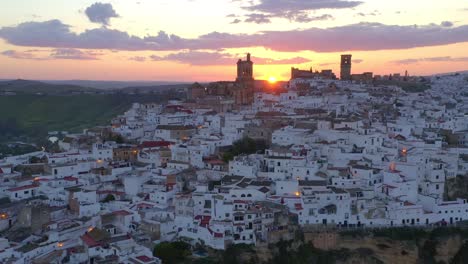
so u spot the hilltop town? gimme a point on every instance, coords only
(235, 163)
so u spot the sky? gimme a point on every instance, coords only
(201, 40)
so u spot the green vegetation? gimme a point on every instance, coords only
(425, 242)
(245, 145)
(236, 254)
(108, 198)
(35, 87)
(29, 117)
(5, 200)
(15, 149)
(401, 233)
(409, 87)
(304, 253)
(172, 252)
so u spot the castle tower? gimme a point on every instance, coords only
(245, 70)
(244, 90)
(345, 67)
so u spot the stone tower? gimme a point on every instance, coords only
(345, 67)
(243, 92)
(245, 70)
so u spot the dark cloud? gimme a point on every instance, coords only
(201, 58)
(374, 13)
(355, 37)
(21, 55)
(280, 6)
(431, 59)
(67, 54)
(100, 13)
(236, 21)
(446, 24)
(258, 18)
(73, 54)
(305, 18)
(298, 10)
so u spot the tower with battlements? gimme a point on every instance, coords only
(243, 92)
(345, 67)
(244, 70)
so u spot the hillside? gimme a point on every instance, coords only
(393, 246)
(34, 87)
(28, 117)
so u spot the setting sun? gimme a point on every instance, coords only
(272, 79)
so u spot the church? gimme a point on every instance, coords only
(240, 91)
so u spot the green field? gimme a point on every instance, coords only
(24, 117)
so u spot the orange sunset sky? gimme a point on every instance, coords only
(201, 40)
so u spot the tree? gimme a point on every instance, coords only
(172, 252)
(108, 198)
(245, 145)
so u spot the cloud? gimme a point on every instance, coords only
(258, 18)
(73, 54)
(67, 54)
(355, 37)
(19, 55)
(100, 13)
(374, 13)
(280, 6)
(305, 18)
(431, 59)
(201, 58)
(357, 61)
(298, 10)
(446, 24)
(236, 21)
(137, 58)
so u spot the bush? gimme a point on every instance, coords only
(172, 252)
(401, 233)
(108, 198)
(245, 145)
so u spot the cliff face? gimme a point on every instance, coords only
(448, 245)
(436, 246)
(456, 188)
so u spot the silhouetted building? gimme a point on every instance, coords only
(244, 70)
(345, 67)
(196, 91)
(309, 74)
(215, 94)
(363, 77)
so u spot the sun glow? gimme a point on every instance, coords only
(272, 79)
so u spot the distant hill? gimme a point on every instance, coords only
(154, 88)
(112, 84)
(34, 87)
(37, 87)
